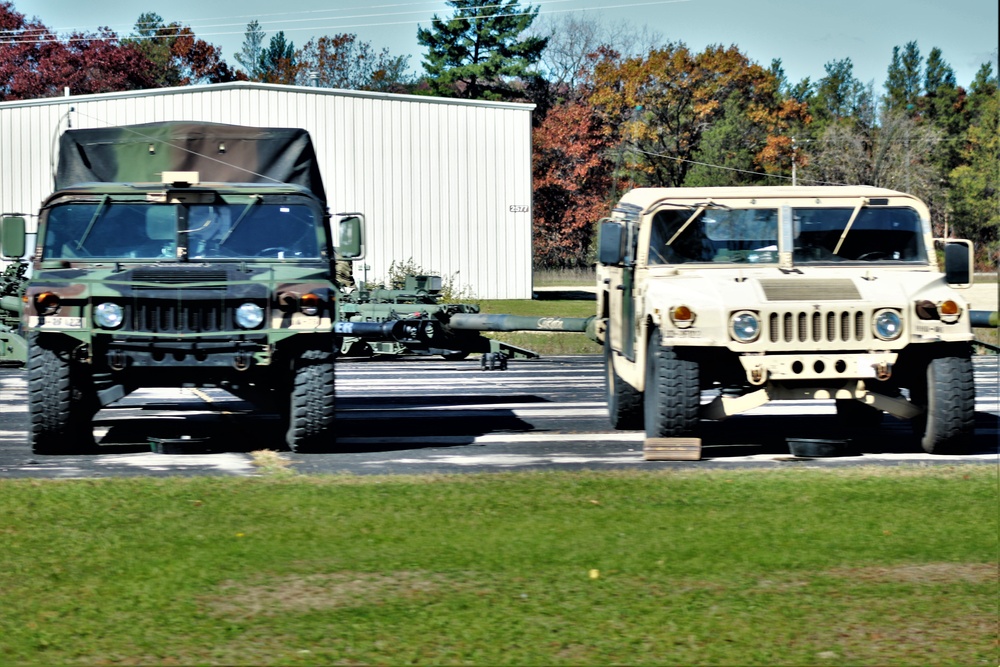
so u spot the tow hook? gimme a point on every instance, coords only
(242, 360)
(883, 370)
(117, 360)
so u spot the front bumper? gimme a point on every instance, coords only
(824, 367)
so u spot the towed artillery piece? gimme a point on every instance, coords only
(13, 347)
(412, 320)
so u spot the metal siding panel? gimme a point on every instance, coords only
(430, 183)
(435, 177)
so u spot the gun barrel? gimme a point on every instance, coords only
(412, 331)
(11, 304)
(481, 322)
(984, 318)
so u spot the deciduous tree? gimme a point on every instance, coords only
(975, 184)
(179, 57)
(572, 184)
(342, 61)
(35, 63)
(662, 104)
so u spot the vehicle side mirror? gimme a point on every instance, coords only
(12, 237)
(351, 236)
(611, 243)
(958, 262)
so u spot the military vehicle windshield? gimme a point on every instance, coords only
(134, 230)
(877, 234)
(717, 235)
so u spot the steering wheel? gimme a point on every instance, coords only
(274, 250)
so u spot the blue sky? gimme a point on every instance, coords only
(804, 34)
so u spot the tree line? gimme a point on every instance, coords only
(616, 107)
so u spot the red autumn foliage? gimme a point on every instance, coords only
(572, 184)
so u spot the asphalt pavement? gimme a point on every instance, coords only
(418, 416)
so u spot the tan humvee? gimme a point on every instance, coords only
(784, 293)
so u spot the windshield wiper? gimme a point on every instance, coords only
(850, 223)
(93, 219)
(698, 210)
(687, 223)
(256, 199)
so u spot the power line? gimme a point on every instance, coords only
(733, 169)
(45, 35)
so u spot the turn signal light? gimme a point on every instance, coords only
(949, 307)
(950, 311)
(46, 303)
(310, 304)
(682, 317)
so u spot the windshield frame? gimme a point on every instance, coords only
(693, 220)
(181, 232)
(896, 235)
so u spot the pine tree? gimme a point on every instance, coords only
(277, 62)
(251, 51)
(902, 83)
(476, 53)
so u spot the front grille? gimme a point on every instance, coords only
(161, 316)
(836, 289)
(826, 326)
(173, 275)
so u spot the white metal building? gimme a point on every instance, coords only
(446, 183)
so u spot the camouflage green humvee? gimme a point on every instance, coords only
(148, 277)
(784, 293)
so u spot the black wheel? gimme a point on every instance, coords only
(949, 402)
(311, 405)
(673, 393)
(624, 400)
(61, 400)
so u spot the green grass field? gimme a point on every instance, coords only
(890, 566)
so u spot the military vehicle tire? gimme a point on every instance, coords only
(673, 392)
(311, 402)
(949, 399)
(61, 400)
(624, 401)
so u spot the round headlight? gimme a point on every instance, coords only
(249, 315)
(745, 326)
(887, 325)
(108, 315)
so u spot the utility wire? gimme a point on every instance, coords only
(734, 169)
(45, 35)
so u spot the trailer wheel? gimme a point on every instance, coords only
(624, 401)
(311, 402)
(673, 392)
(949, 401)
(61, 400)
